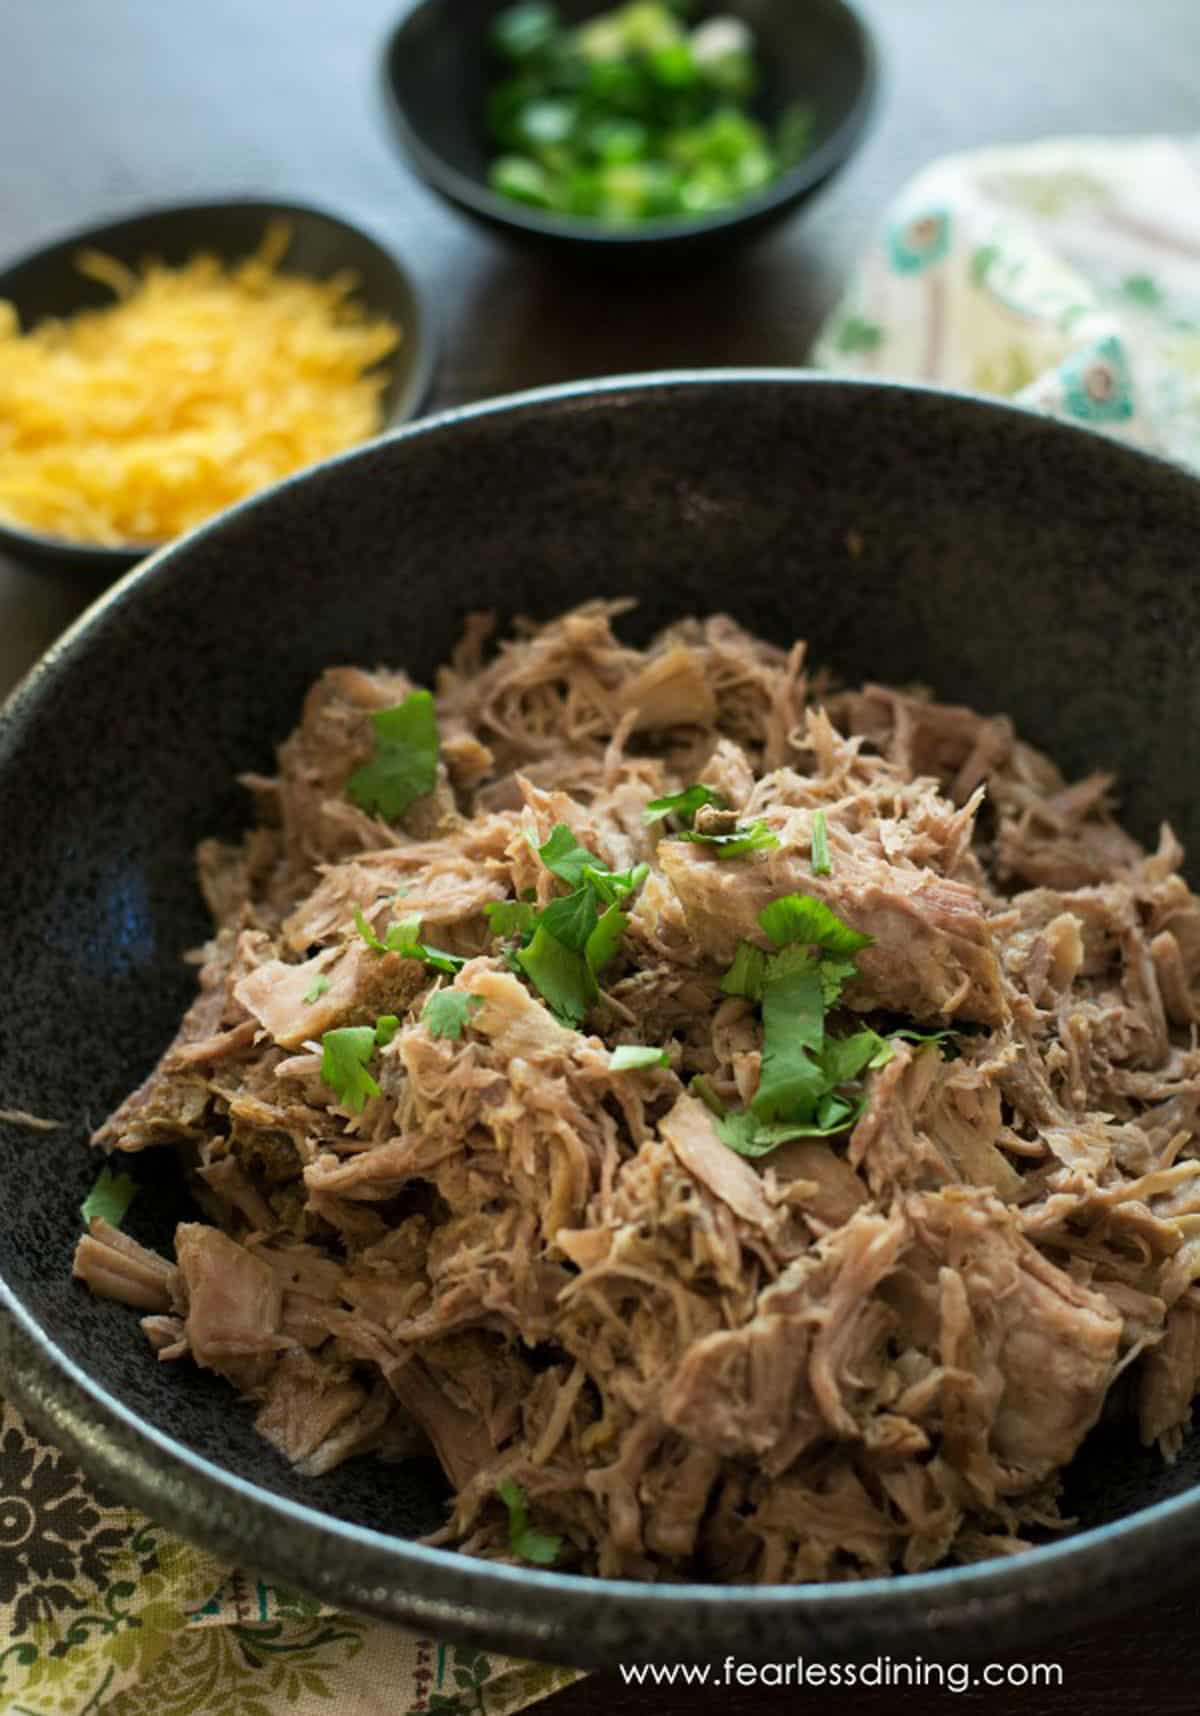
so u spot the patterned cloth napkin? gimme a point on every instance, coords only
(1065, 275)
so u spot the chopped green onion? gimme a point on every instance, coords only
(632, 1057)
(109, 1198)
(821, 865)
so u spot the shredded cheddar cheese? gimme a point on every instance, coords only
(197, 386)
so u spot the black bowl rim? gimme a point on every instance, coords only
(423, 343)
(472, 194)
(563, 1616)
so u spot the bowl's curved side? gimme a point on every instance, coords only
(871, 518)
(1016, 1604)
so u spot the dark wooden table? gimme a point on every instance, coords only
(107, 107)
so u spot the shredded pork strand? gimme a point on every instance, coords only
(856, 1355)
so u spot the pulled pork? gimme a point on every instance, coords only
(853, 1355)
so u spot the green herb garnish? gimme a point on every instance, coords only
(631, 1057)
(109, 1198)
(344, 1056)
(386, 1027)
(562, 854)
(745, 976)
(809, 1082)
(527, 1542)
(565, 946)
(684, 804)
(561, 977)
(750, 837)
(449, 1011)
(799, 918)
(821, 865)
(403, 937)
(404, 767)
(511, 917)
(316, 990)
(572, 918)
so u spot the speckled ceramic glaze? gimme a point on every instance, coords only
(1006, 561)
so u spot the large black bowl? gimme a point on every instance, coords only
(47, 283)
(1003, 559)
(437, 69)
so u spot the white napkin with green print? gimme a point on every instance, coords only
(1063, 274)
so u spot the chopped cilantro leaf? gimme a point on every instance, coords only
(572, 918)
(449, 1011)
(809, 1082)
(792, 1079)
(614, 885)
(404, 767)
(344, 1056)
(109, 1198)
(511, 917)
(749, 837)
(684, 804)
(403, 937)
(798, 917)
(847, 1057)
(403, 934)
(604, 943)
(630, 1057)
(315, 991)
(574, 864)
(367, 933)
(749, 1136)
(578, 934)
(821, 865)
(745, 976)
(561, 977)
(386, 1027)
(527, 1542)
(834, 973)
(563, 855)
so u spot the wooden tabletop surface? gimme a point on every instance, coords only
(107, 108)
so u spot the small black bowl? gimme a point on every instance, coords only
(438, 68)
(48, 284)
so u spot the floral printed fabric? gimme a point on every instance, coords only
(1065, 275)
(103, 1611)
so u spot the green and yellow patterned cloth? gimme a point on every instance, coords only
(102, 1610)
(1065, 275)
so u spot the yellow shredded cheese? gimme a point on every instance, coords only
(197, 386)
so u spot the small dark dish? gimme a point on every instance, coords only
(438, 67)
(48, 284)
(1003, 559)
